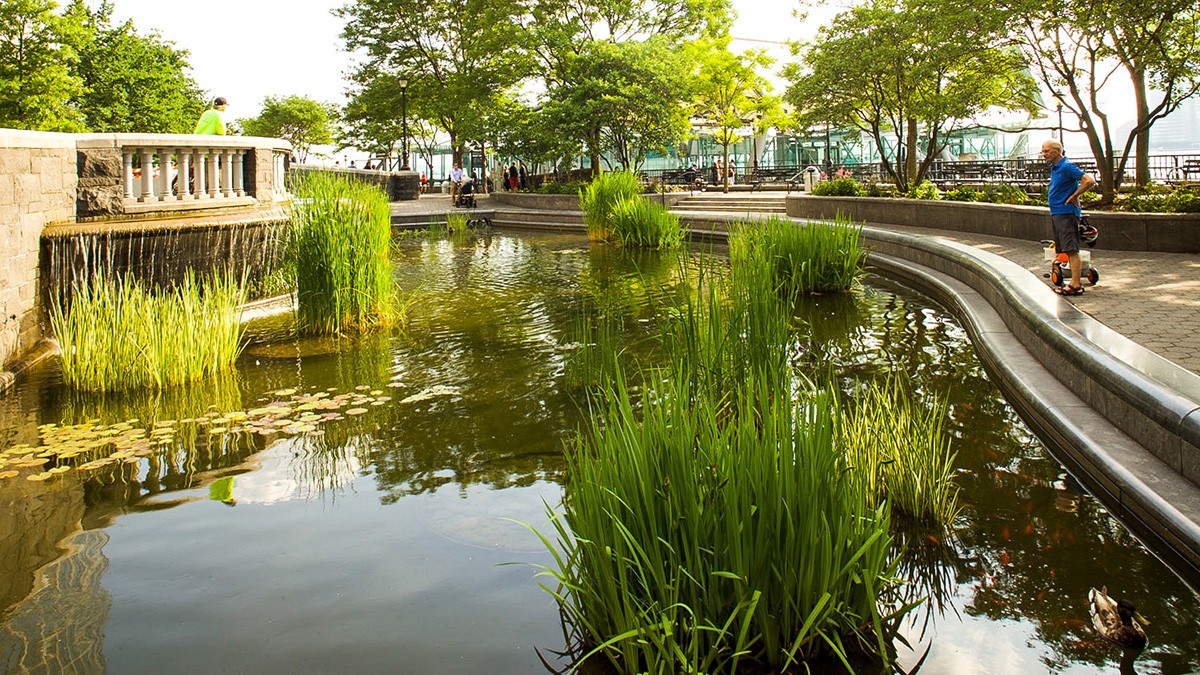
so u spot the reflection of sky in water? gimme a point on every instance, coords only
(378, 546)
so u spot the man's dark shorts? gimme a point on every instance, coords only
(1066, 232)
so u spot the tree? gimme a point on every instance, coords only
(131, 82)
(370, 120)
(907, 71)
(731, 95)
(299, 120)
(627, 98)
(1079, 49)
(458, 56)
(36, 82)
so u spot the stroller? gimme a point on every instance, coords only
(466, 196)
(1060, 269)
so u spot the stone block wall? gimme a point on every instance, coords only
(37, 188)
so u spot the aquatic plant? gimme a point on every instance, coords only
(340, 245)
(639, 222)
(600, 198)
(697, 541)
(118, 335)
(898, 446)
(811, 257)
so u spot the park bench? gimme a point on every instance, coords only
(788, 176)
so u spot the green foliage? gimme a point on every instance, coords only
(963, 193)
(816, 257)
(644, 223)
(299, 120)
(837, 187)
(875, 189)
(118, 335)
(1161, 199)
(555, 187)
(627, 97)
(600, 198)
(37, 85)
(909, 72)
(132, 83)
(926, 190)
(341, 242)
(899, 445)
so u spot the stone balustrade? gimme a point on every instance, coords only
(141, 173)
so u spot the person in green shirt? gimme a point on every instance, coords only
(212, 122)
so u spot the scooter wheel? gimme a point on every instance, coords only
(1056, 278)
(1093, 275)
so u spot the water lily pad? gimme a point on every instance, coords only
(60, 469)
(39, 476)
(356, 411)
(9, 474)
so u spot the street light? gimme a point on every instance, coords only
(1059, 101)
(828, 153)
(404, 123)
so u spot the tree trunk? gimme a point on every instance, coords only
(724, 167)
(910, 152)
(594, 151)
(1142, 148)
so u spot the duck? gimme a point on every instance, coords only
(1117, 621)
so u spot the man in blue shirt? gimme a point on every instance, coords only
(1067, 182)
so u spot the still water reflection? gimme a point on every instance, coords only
(375, 542)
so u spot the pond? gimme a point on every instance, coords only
(349, 506)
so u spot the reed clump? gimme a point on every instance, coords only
(118, 334)
(814, 257)
(341, 244)
(698, 541)
(600, 198)
(639, 222)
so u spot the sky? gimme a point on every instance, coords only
(246, 50)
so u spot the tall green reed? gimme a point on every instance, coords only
(813, 257)
(639, 222)
(341, 242)
(600, 197)
(901, 451)
(118, 334)
(697, 541)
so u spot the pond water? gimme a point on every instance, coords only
(377, 542)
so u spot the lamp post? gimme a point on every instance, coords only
(1059, 105)
(404, 123)
(828, 153)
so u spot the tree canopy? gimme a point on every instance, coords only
(908, 72)
(299, 120)
(37, 82)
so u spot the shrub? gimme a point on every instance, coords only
(964, 193)
(601, 196)
(1004, 193)
(875, 189)
(815, 257)
(341, 243)
(1161, 199)
(118, 335)
(643, 223)
(838, 187)
(926, 190)
(559, 188)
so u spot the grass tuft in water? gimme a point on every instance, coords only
(600, 197)
(813, 257)
(119, 335)
(698, 541)
(639, 222)
(899, 448)
(340, 245)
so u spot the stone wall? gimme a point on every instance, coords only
(399, 185)
(1162, 232)
(37, 188)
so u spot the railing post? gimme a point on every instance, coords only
(227, 173)
(163, 192)
(239, 173)
(183, 190)
(200, 173)
(147, 176)
(127, 173)
(214, 185)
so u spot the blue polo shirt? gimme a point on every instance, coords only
(1064, 180)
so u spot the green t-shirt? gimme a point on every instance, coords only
(212, 122)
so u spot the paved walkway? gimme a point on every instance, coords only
(1151, 298)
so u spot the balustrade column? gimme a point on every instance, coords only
(227, 173)
(239, 177)
(214, 187)
(127, 173)
(147, 176)
(184, 188)
(199, 172)
(164, 176)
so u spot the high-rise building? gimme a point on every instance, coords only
(1178, 132)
